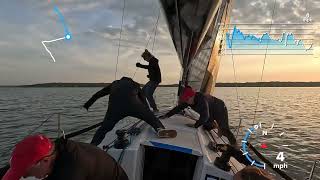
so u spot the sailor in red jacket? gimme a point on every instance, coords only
(37, 156)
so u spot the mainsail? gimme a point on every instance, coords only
(194, 26)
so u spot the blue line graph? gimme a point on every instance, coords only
(66, 30)
(67, 33)
(251, 43)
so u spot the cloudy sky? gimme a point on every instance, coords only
(91, 55)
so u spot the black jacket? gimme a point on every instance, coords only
(121, 91)
(153, 69)
(209, 108)
(81, 161)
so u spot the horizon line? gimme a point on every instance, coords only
(168, 84)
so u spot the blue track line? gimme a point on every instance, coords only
(67, 33)
(245, 151)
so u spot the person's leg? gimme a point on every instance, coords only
(149, 89)
(145, 90)
(110, 120)
(229, 135)
(228, 152)
(152, 102)
(223, 122)
(138, 110)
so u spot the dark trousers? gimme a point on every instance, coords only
(221, 117)
(116, 112)
(233, 152)
(148, 90)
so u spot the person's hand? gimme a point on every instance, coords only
(138, 64)
(163, 117)
(222, 147)
(190, 125)
(86, 106)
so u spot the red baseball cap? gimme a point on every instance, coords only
(27, 153)
(187, 93)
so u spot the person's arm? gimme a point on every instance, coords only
(230, 151)
(204, 114)
(175, 110)
(103, 92)
(139, 65)
(141, 95)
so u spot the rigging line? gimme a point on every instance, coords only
(264, 62)
(155, 27)
(124, 6)
(237, 92)
(236, 88)
(131, 124)
(155, 31)
(306, 4)
(42, 123)
(30, 132)
(235, 79)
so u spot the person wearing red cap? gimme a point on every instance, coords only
(212, 110)
(37, 156)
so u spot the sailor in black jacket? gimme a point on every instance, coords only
(154, 75)
(126, 99)
(37, 156)
(210, 109)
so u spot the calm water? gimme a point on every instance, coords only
(295, 111)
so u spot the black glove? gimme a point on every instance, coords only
(138, 64)
(86, 106)
(197, 124)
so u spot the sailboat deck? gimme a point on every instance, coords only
(193, 141)
(187, 138)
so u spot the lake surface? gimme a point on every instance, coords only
(295, 112)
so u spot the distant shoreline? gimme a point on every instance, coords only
(246, 84)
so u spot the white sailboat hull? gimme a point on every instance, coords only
(189, 141)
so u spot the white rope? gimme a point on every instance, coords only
(234, 75)
(155, 29)
(264, 62)
(124, 6)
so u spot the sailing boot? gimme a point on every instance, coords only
(166, 133)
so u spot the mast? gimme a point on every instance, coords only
(209, 81)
